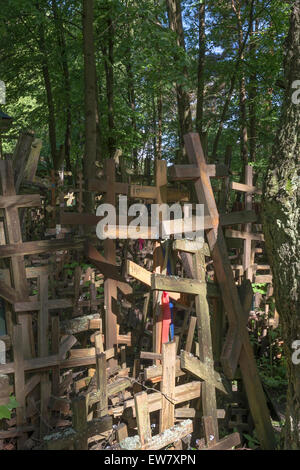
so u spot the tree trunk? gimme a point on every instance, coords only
(49, 94)
(159, 130)
(67, 83)
(131, 94)
(108, 53)
(236, 5)
(253, 92)
(201, 68)
(90, 101)
(183, 99)
(281, 211)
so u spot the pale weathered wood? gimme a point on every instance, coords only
(163, 439)
(168, 386)
(227, 443)
(245, 188)
(198, 368)
(122, 432)
(142, 417)
(175, 284)
(102, 384)
(183, 393)
(190, 334)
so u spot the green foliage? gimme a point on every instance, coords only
(260, 288)
(5, 410)
(253, 441)
(144, 51)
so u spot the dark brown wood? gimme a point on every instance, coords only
(37, 247)
(14, 238)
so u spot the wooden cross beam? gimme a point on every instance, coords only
(164, 439)
(201, 370)
(231, 299)
(183, 393)
(192, 172)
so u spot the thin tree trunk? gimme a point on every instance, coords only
(159, 129)
(67, 83)
(90, 100)
(109, 72)
(236, 6)
(201, 69)
(231, 90)
(183, 99)
(49, 94)
(253, 93)
(131, 95)
(281, 212)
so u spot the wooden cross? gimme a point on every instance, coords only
(197, 287)
(241, 351)
(76, 437)
(10, 203)
(248, 253)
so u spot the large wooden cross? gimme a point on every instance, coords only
(240, 350)
(248, 253)
(10, 203)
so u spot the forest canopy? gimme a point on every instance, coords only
(233, 51)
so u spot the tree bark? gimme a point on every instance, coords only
(159, 129)
(131, 94)
(236, 6)
(281, 212)
(253, 92)
(49, 94)
(201, 69)
(108, 53)
(183, 99)
(67, 84)
(90, 100)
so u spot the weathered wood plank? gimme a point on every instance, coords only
(41, 246)
(175, 284)
(245, 188)
(244, 235)
(142, 417)
(199, 369)
(164, 439)
(25, 200)
(166, 419)
(227, 443)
